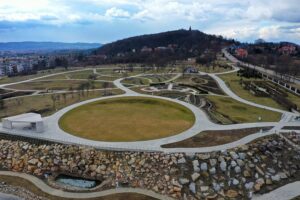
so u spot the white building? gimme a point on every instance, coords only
(29, 121)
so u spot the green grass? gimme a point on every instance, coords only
(43, 104)
(214, 138)
(54, 85)
(211, 69)
(240, 112)
(136, 81)
(232, 81)
(39, 74)
(127, 119)
(72, 75)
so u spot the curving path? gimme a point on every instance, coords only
(9, 197)
(82, 195)
(202, 123)
(285, 192)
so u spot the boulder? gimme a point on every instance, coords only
(181, 161)
(203, 166)
(192, 187)
(233, 155)
(232, 194)
(223, 166)
(276, 178)
(235, 181)
(196, 166)
(212, 171)
(237, 169)
(195, 176)
(204, 156)
(249, 185)
(183, 181)
(212, 162)
(204, 188)
(33, 161)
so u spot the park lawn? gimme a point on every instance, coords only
(136, 81)
(23, 183)
(187, 79)
(44, 105)
(294, 98)
(211, 69)
(22, 78)
(107, 78)
(214, 138)
(55, 85)
(240, 112)
(127, 119)
(232, 81)
(159, 78)
(72, 75)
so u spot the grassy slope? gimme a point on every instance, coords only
(72, 75)
(127, 119)
(39, 74)
(41, 102)
(54, 85)
(232, 80)
(213, 138)
(240, 112)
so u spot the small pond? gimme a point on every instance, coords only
(76, 182)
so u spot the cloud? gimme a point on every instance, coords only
(117, 13)
(244, 20)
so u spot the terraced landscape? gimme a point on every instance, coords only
(168, 115)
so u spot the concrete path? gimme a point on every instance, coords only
(83, 195)
(285, 192)
(260, 69)
(202, 123)
(9, 197)
(41, 77)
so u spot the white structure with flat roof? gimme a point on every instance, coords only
(35, 121)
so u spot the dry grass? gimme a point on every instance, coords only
(127, 119)
(241, 113)
(20, 182)
(39, 74)
(43, 104)
(232, 80)
(213, 138)
(54, 85)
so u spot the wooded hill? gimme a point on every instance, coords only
(160, 47)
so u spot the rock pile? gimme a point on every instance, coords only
(236, 173)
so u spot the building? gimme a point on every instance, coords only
(241, 53)
(34, 121)
(190, 70)
(287, 49)
(145, 49)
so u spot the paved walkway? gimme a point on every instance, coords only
(285, 192)
(9, 197)
(202, 123)
(83, 195)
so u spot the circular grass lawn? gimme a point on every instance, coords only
(127, 119)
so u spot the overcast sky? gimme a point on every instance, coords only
(108, 20)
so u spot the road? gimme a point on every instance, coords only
(260, 69)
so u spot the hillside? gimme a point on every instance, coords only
(283, 57)
(45, 46)
(164, 47)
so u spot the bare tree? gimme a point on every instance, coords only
(54, 100)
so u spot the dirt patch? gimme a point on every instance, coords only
(213, 138)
